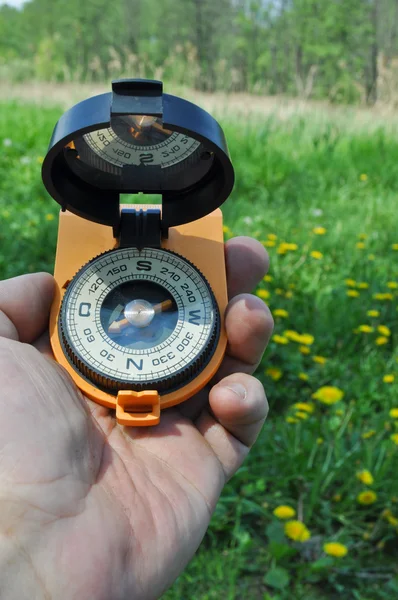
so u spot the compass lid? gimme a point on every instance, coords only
(137, 139)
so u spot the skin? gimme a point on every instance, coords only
(89, 509)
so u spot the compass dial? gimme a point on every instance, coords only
(139, 320)
(137, 140)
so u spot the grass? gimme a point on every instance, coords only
(293, 175)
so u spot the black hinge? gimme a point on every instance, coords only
(139, 228)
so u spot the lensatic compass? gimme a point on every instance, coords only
(138, 314)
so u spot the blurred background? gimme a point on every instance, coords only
(307, 94)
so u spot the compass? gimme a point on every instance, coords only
(137, 318)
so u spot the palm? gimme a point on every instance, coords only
(124, 508)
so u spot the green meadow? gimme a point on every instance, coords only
(321, 193)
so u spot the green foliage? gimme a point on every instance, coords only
(293, 175)
(308, 48)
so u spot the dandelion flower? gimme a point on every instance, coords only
(360, 245)
(366, 498)
(384, 330)
(307, 339)
(316, 254)
(291, 420)
(381, 340)
(284, 512)
(365, 329)
(328, 395)
(373, 313)
(301, 415)
(368, 434)
(335, 549)
(388, 378)
(304, 350)
(280, 312)
(363, 285)
(263, 294)
(319, 441)
(303, 376)
(50, 217)
(289, 294)
(394, 413)
(363, 177)
(304, 406)
(267, 278)
(371, 257)
(394, 438)
(280, 339)
(297, 531)
(321, 360)
(350, 282)
(269, 243)
(383, 296)
(352, 293)
(394, 246)
(272, 236)
(226, 230)
(274, 373)
(365, 477)
(393, 285)
(319, 230)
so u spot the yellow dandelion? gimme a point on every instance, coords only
(284, 512)
(50, 217)
(381, 340)
(366, 498)
(272, 236)
(394, 438)
(269, 243)
(352, 293)
(280, 339)
(292, 335)
(373, 313)
(304, 350)
(40, 160)
(388, 378)
(319, 441)
(307, 339)
(274, 373)
(371, 257)
(319, 230)
(226, 230)
(335, 549)
(279, 292)
(263, 294)
(304, 406)
(383, 296)
(393, 285)
(339, 412)
(365, 329)
(303, 376)
(297, 531)
(368, 434)
(289, 294)
(328, 394)
(394, 246)
(363, 177)
(384, 330)
(280, 312)
(321, 360)
(394, 413)
(366, 536)
(301, 415)
(363, 285)
(337, 498)
(360, 245)
(267, 278)
(291, 420)
(350, 282)
(316, 254)
(365, 477)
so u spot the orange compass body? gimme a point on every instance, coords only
(138, 315)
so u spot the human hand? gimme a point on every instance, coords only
(92, 510)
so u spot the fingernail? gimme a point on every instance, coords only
(238, 389)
